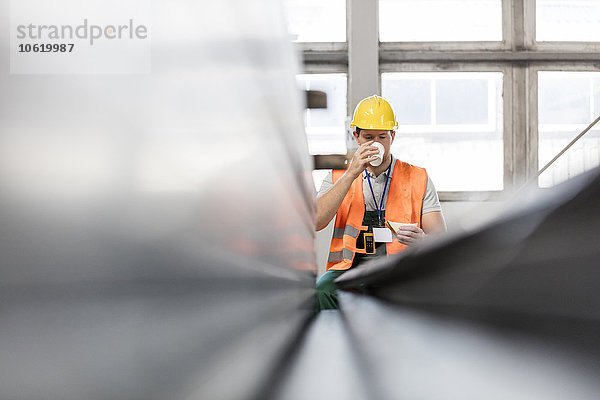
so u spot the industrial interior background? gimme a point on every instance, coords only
(157, 236)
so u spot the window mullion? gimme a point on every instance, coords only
(529, 29)
(363, 50)
(507, 24)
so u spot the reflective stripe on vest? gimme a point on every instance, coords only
(338, 256)
(338, 233)
(404, 204)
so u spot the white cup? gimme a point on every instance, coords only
(379, 160)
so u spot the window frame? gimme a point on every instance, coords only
(507, 131)
(564, 46)
(534, 68)
(518, 56)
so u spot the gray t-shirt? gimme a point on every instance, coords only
(431, 202)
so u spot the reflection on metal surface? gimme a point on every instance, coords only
(416, 353)
(157, 229)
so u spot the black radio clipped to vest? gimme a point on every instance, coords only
(369, 243)
(366, 242)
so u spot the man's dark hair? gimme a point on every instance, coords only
(358, 130)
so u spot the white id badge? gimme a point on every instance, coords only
(382, 235)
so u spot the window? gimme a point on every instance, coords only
(440, 20)
(451, 124)
(457, 123)
(568, 20)
(567, 103)
(316, 20)
(325, 128)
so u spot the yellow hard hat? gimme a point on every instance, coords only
(374, 112)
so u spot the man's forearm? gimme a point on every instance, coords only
(433, 222)
(328, 204)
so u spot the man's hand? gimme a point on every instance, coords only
(410, 235)
(361, 159)
(328, 204)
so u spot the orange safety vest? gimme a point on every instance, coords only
(404, 204)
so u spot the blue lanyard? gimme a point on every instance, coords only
(379, 206)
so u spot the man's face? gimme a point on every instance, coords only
(386, 138)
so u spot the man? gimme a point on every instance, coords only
(364, 197)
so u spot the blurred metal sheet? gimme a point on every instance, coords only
(157, 229)
(416, 354)
(325, 365)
